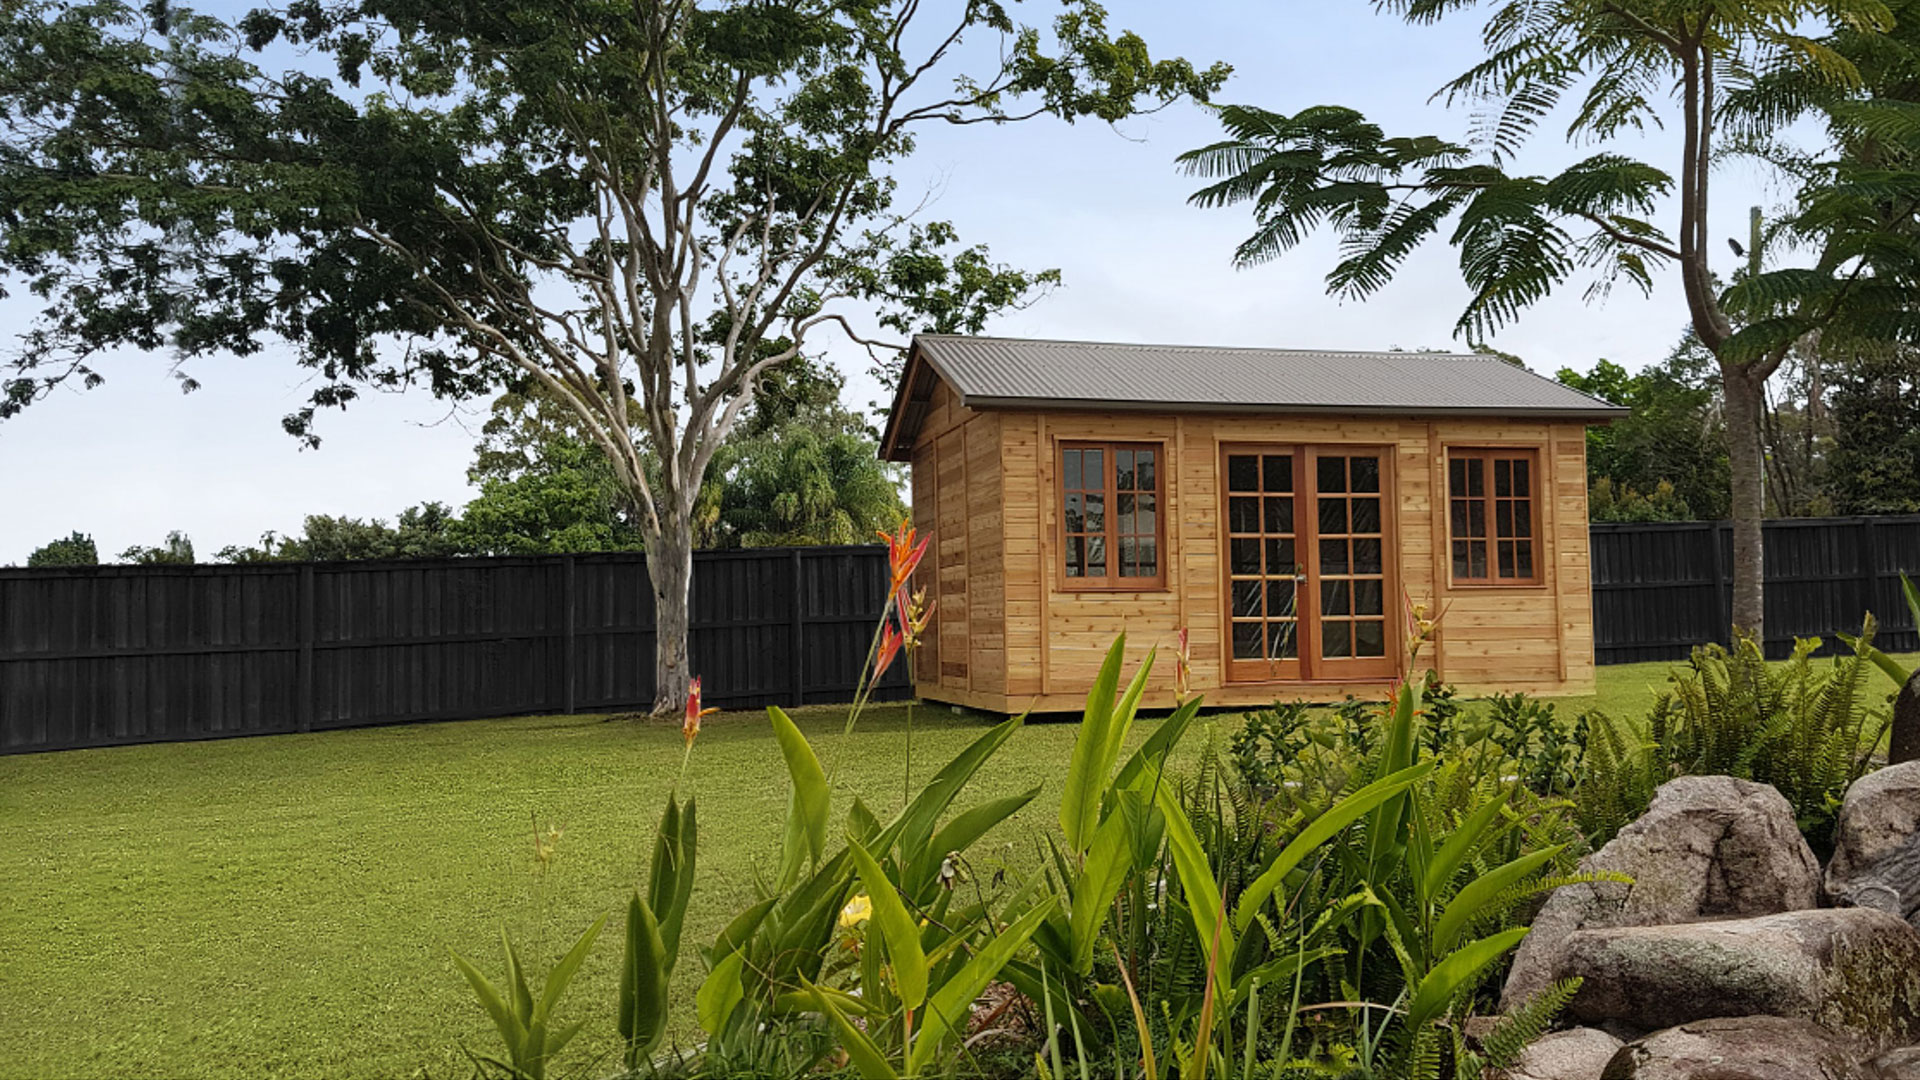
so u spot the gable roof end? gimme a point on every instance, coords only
(1012, 373)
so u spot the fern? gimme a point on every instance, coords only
(1521, 1028)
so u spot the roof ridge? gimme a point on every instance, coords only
(1194, 347)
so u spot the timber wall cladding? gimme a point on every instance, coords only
(111, 655)
(1535, 636)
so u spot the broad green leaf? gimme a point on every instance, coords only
(742, 928)
(1460, 844)
(558, 1040)
(720, 993)
(1105, 871)
(643, 982)
(1088, 766)
(867, 1058)
(897, 929)
(1456, 973)
(1338, 816)
(951, 1006)
(670, 885)
(1481, 891)
(1196, 878)
(1383, 830)
(915, 824)
(569, 965)
(517, 979)
(807, 811)
(512, 1031)
(1157, 745)
(960, 833)
(1280, 968)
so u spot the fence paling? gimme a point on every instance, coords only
(103, 656)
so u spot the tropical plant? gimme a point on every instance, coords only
(525, 1022)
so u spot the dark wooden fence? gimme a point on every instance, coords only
(101, 656)
(108, 655)
(1660, 589)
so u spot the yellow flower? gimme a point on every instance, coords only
(857, 911)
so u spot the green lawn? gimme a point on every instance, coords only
(283, 906)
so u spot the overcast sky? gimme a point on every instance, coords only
(136, 458)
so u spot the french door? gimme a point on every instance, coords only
(1308, 563)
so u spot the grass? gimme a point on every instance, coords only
(283, 906)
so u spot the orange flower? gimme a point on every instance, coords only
(691, 726)
(890, 642)
(903, 555)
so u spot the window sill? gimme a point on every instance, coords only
(1128, 587)
(1494, 586)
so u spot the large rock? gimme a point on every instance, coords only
(1850, 969)
(1740, 1048)
(1574, 1054)
(1901, 1064)
(1876, 843)
(1708, 847)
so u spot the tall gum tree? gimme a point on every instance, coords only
(640, 205)
(1620, 66)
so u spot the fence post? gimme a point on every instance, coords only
(570, 607)
(798, 671)
(1722, 610)
(303, 677)
(1869, 566)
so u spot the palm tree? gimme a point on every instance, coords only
(1624, 64)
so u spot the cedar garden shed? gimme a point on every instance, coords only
(1281, 505)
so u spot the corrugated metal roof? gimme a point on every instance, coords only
(990, 372)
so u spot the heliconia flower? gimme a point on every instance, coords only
(1183, 668)
(903, 554)
(691, 726)
(890, 642)
(922, 614)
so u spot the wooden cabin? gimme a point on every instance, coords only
(1283, 506)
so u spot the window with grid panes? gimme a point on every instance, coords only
(1112, 529)
(1492, 516)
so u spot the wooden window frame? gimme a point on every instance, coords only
(1111, 582)
(1534, 454)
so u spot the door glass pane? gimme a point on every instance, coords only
(1149, 549)
(1093, 468)
(1243, 473)
(1246, 599)
(1476, 477)
(1244, 556)
(1333, 557)
(1477, 558)
(1522, 479)
(1144, 519)
(1367, 557)
(1333, 598)
(1477, 518)
(1280, 597)
(1123, 470)
(1523, 518)
(1243, 514)
(1096, 556)
(1123, 506)
(1076, 556)
(1523, 558)
(1461, 566)
(1368, 595)
(1331, 475)
(1456, 477)
(1336, 639)
(1096, 513)
(1366, 515)
(1279, 472)
(1129, 558)
(1370, 638)
(1144, 471)
(1333, 516)
(1506, 557)
(1246, 641)
(1366, 474)
(1459, 517)
(1503, 518)
(1280, 557)
(1279, 515)
(1070, 469)
(1282, 641)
